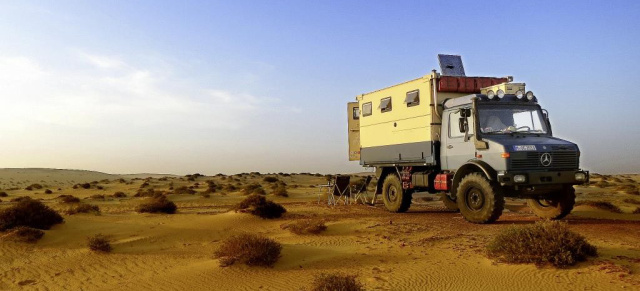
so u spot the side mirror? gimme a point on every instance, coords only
(462, 124)
(465, 112)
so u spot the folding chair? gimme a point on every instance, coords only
(341, 189)
(361, 191)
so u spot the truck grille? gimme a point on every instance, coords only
(560, 160)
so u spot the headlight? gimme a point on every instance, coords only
(529, 95)
(519, 94)
(491, 94)
(580, 177)
(519, 178)
(500, 93)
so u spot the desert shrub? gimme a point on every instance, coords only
(29, 213)
(3, 194)
(33, 187)
(252, 189)
(260, 206)
(83, 208)
(545, 242)
(85, 185)
(632, 201)
(121, 181)
(604, 205)
(205, 195)
(24, 234)
(145, 184)
(184, 190)
(602, 184)
(48, 191)
(119, 194)
(332, 282)
(97, 197)
(99, 187)
(307, 226)
(636, 211)
(99, 243)
(280, 191)
(270, 179)
(157, 204)
(249, 249)
(18, 199)
(69, 199)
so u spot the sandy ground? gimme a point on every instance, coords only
(427, 248)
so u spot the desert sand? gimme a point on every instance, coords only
(427, 248)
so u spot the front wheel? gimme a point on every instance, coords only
(479, 200)
(394, 197)
(555, 206)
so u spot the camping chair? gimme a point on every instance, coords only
(341, 189)
(361, 191)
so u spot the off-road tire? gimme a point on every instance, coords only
(479, 200)
(394, 197)
(558, 205)
(449, 203)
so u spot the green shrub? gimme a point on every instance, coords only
(258, 205)
(157, 204)
(24, 234)
(335, 282)
(545, 242)
(99, 243)
(307, 226)
(29, 213)
(249, 249)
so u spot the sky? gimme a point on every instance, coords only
(240, 86)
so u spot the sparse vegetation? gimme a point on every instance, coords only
(337, 281)
(33, 187)
(254, 188)
(97, 197)
(184, 190)
(69, 199)
(83, 208)
(249, 249)
(604, 205)
(306, 226)
(545, 242)
(24, 234)
(258, 205)
(280, 191)
(270, 179)
(632, 201)
(3, 194)
(157, 204)
(29, 213)
(636, 211)
(99, 243)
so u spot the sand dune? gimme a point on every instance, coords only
(425, 249)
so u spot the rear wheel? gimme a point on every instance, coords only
(479, 200)
(394, 197)
(555, 206)
(449, 202)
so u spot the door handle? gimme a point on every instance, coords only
(449, 146)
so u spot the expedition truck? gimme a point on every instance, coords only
(472, 140)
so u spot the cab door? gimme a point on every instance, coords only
(353, 113)
(457, 151)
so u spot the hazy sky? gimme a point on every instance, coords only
(238, 86)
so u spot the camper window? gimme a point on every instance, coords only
(366, 109)
(385, 104)
(413, 98)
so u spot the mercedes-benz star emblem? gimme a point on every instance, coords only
(545, 159)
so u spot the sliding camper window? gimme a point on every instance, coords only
(366, 109)
(385, 104)
(356, 113)
(413, 98)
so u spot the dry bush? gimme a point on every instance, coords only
(333, 282)
(97, 197)
(636, 211)
(99, 243)
(84, 186)
(254, 188)
(24, 234)
(260, 206)
(230, 188)
(604, 205)
(249, 249)
(306, 226)
(157, 204)
(184, 190)
(69, 199)
(632, 201)
(83, 208)
(29, 213)
(3, 194)
(545, 242)
(18, 199)
(48, 191)
(33, 187)
(205, 195)
(270, 179)
(602, 184)
(280, 191)
(119, 195)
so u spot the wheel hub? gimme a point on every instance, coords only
(475, 199)
(393, 194)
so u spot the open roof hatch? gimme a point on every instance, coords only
(451, 65)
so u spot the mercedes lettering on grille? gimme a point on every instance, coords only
(545, 159)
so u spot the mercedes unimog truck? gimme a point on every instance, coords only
(472, 140)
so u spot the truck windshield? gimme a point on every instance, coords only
(511, 119)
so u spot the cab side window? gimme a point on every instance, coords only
(454, 125)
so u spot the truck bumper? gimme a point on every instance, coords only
(543, 178)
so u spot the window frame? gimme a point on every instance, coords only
(413, 103)
(386, 108)
(355, 114)
(364, 112)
